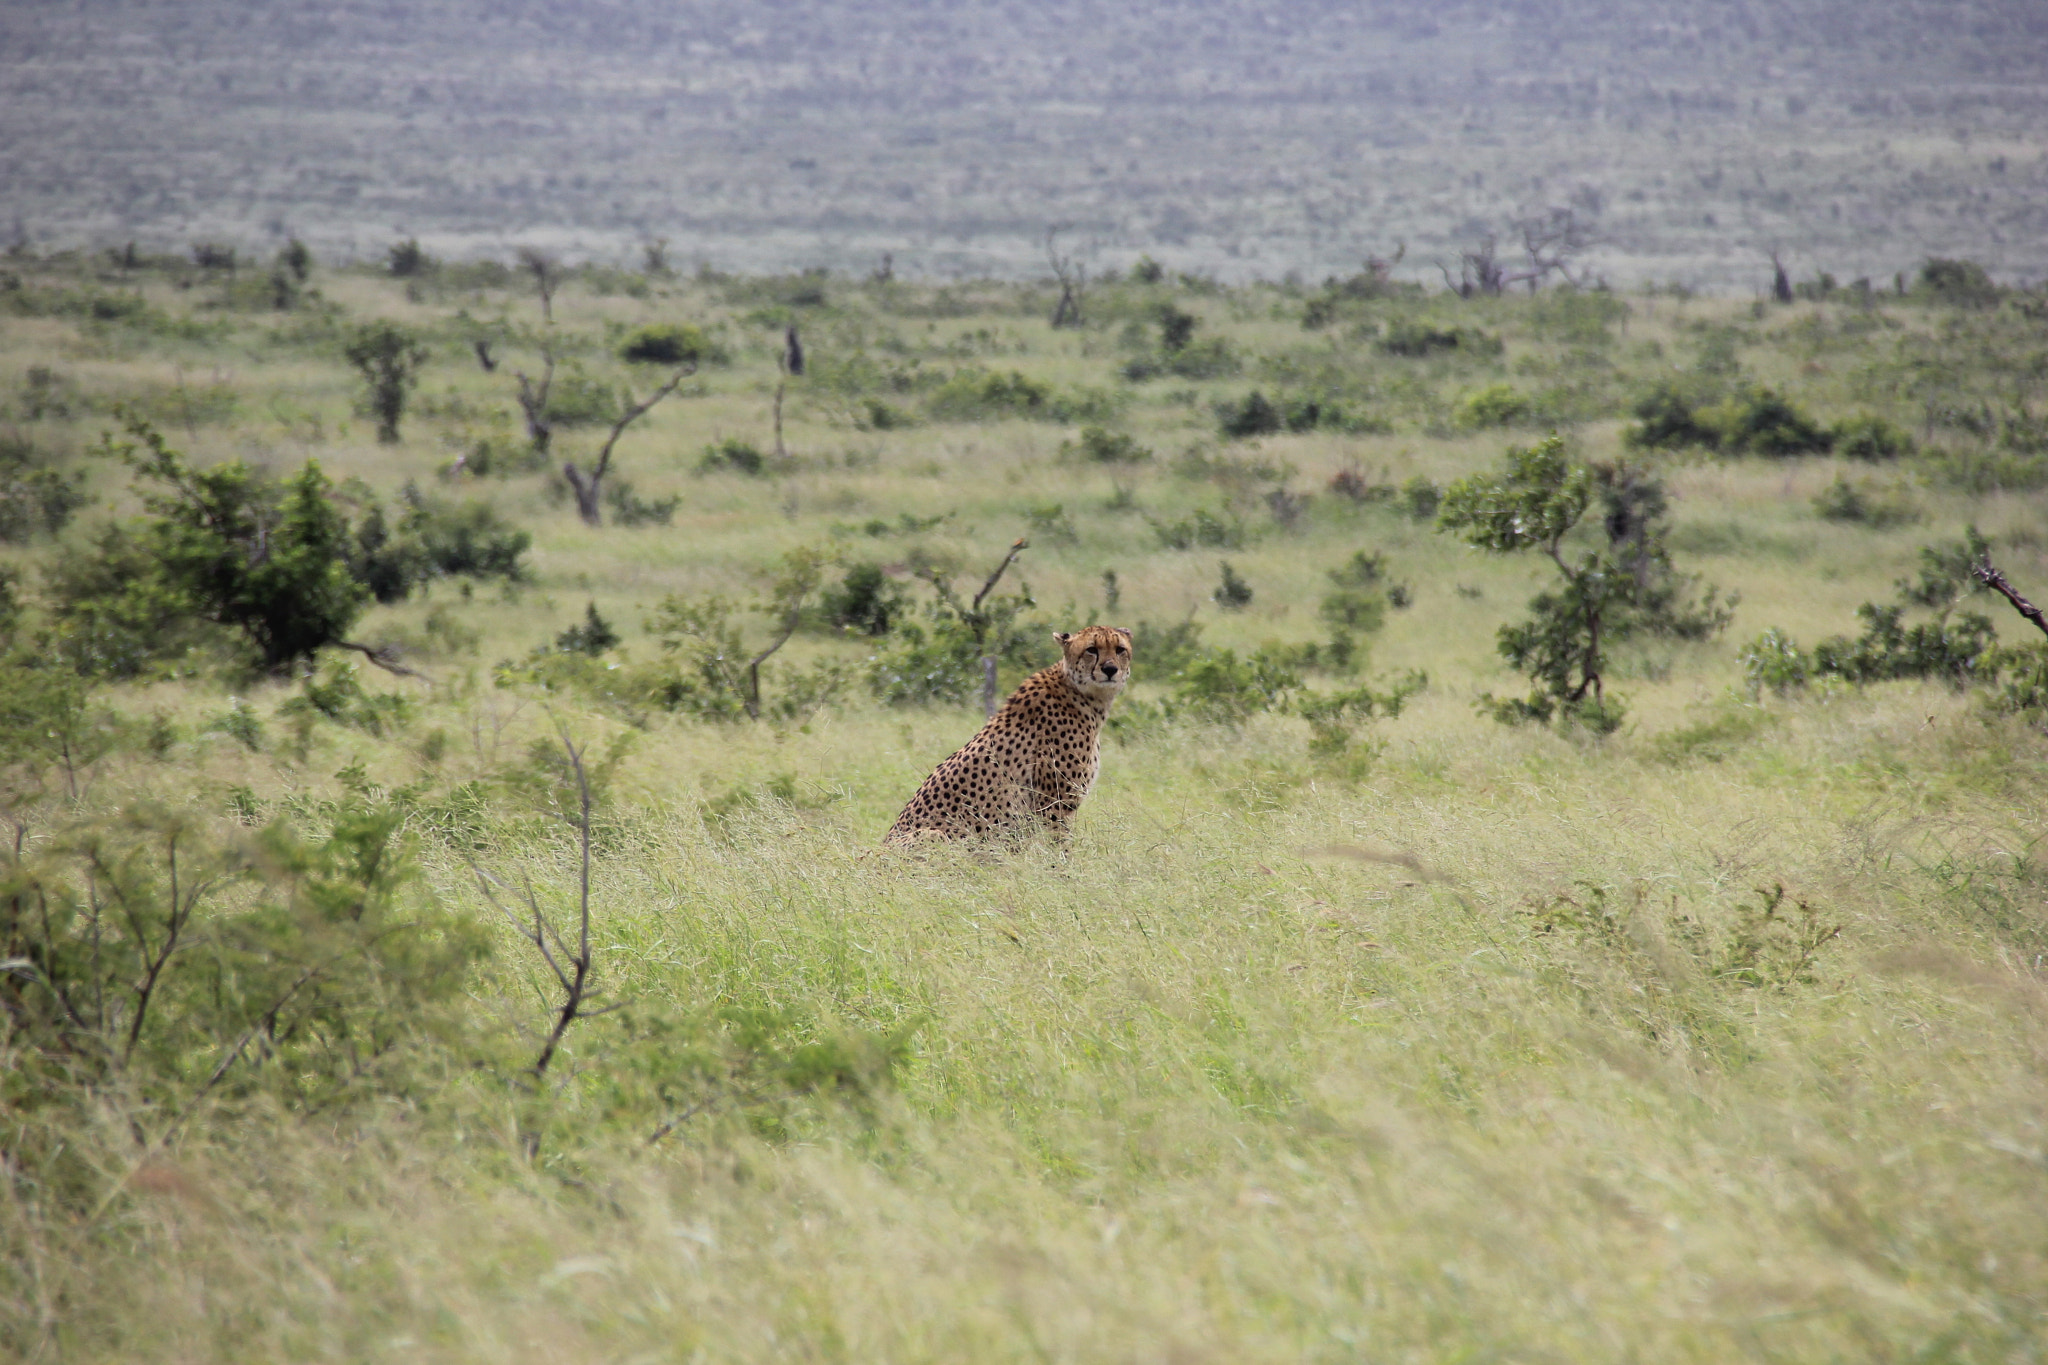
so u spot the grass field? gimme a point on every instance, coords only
(1470, 1042)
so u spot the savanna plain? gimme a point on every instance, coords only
(1372, 1011)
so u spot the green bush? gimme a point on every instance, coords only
(1100, 445)
(35, 496)
(1497, 405)
(1232, 592)
(575, 399)
(865, 602)
(592, 636)
(1761, 421)
(1410, 337)
(733, 455)
(1962, 284)
(1870, 438)
(1859, 504)
(1667, 418)
(666, 343)
(389, 358)
(148, 956)
(1753, 421)
(227, 545)
(1253, 415)
(1202, 530)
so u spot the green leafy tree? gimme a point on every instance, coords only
(267, 561)
(389, 358)
(1538, 499)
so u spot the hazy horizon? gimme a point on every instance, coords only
(1239, 140)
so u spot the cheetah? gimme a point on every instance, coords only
(1037, 756)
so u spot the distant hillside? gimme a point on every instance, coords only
(1236, 138)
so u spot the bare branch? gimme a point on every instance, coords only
(1071, 277)
(588, 486)
(1990, 577)
(384, 656)
(1019, 548)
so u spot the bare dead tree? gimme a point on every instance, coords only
(589, 487)
(1479, 270)
(976, 620)
(547, 277)
(790, 362)
(1781, 283)
(1984, 572)
(569, 962)
(533, 398)
(1553, 240)
(533, 393)
(1071, 276)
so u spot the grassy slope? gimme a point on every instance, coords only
(1273, 1064)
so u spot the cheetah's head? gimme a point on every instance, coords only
(1098, 660)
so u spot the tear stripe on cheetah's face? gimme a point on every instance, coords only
(1097, 661)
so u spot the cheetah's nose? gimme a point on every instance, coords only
(1109, 671)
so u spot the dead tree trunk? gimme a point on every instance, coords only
(589, 486)
(533, 400)
(1072, 279)
(1781, 283)
(790, 362)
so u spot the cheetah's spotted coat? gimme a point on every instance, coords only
(1037, 756)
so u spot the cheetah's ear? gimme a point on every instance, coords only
(1123, 631)
(1063, 637)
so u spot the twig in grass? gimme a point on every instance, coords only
(571, 965)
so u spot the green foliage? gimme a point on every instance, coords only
(1959, 647)
(435, 538)
(1668, 418)
(1870, 438)
(938, 660)
(1860, 504)
(1103, 446)
(1257, 415)
(407, 260)
(1201, 530)
(228, 546)
(1232, 592)
(1221, 688)
(1754, 420)
(577, 399)
(336, 692)
(734, 455)
(630, 509)
(389, 358)
(706, 671)
(144, 952)
(666, 343)
(1333, 717)
(1254, 415)
(1413, 337)
(1762, 946)
(1960, 284)
(1762, 421)
(866, 601)
(1497, 405)
(1773, 660)
(34, 494)
(593, 636)
(976, 395)
(1606, 593)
